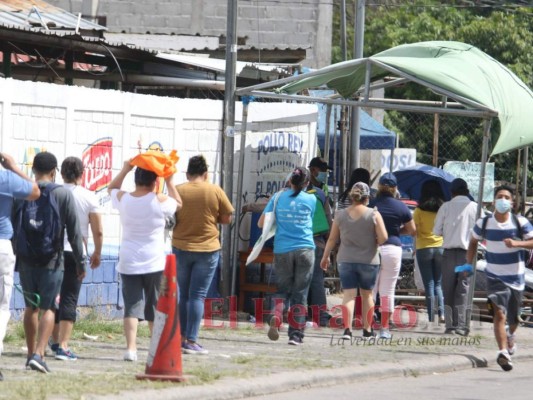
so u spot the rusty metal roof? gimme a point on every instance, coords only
(38, 15)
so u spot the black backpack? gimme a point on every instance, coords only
(515, 221)
(527, 254)
(38, 229)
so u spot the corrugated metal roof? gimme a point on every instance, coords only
(215, 64)
(77, 38)
(41, 16)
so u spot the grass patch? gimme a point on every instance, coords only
(94, 325)
(202, 376)
(53, 386)
(243, 359)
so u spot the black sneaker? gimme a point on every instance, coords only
(1, 376)
(273, 331)
(295, 340)
(368, 334)
(37, 364)
(347, 334)
(462, 331)
(504, 360)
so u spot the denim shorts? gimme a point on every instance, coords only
(357, 275)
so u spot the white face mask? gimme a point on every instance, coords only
(502, 205)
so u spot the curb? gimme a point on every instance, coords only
(227, 389)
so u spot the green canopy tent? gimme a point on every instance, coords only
(471, 84)
(463, 71)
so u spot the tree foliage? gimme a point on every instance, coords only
(504, 30)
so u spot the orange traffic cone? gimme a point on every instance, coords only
(164, 356)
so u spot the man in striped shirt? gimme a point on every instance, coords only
(506, 236)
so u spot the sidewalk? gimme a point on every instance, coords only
(243, 362)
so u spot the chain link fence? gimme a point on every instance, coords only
(437, 140)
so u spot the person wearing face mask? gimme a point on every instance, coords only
(319, 168)
(318, 308)
(505, 235)
(453, 222)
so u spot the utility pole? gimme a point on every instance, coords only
(343, 30)
(228, 138)
(359, 39)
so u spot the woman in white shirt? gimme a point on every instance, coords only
(142, 249)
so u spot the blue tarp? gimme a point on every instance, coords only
(373, 134)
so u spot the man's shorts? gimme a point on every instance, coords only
(357, 275)
(507, 299)
(44, 282)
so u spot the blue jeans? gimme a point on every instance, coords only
(318, 305)
(430, 264)
(195, 272)
(294, 271)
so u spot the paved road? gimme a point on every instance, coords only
(473, 384)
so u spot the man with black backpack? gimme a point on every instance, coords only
(506, 236)
(39, 231)
(14, 184)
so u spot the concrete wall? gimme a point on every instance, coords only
(104, 128)
(267, 24)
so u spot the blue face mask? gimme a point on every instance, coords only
(502, 205)
(322, 177)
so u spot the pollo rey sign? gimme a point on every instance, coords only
(97, 160)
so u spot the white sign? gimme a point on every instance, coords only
(379, 160)
(471, 173)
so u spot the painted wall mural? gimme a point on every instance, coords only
(97, 161)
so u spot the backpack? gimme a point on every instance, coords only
(38, 229)
(516, 222)
(320, 221)
(528, 254)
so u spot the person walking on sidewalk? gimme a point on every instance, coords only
(360, 230)
(358, 175)
(506, 236)
(398, 220)
(318, 306)
(41, 262)
(294, 254)
(196, 244)
(88, 214)
(454, 222)
(142, 256)
(14, 184)
(429, 247)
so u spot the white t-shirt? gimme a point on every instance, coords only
(86, 203)
(142, 249)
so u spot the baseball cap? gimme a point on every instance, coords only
(320, 163)
(44, 162)
(388, 179)
(458, 184)
(361, 189)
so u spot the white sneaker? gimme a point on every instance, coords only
(385, 334)
(504, 360)
(130, 355)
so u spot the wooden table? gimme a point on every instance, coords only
(263, 286)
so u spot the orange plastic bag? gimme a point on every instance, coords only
(164, 165)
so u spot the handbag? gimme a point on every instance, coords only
(269, 230)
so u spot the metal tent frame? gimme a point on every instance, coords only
(459, 106)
